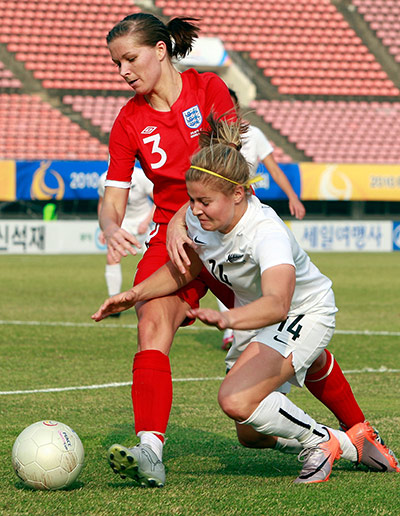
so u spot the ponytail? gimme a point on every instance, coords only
(220, 156)
(178, 35)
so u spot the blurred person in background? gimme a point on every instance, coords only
(257, 149)
(137, 221)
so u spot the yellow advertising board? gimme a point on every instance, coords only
(349, 182)
(8, 182)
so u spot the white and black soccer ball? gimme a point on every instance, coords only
(48, 455)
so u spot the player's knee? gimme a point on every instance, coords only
(233, 406)
(246, 442)
(253, 439)
(318, 363)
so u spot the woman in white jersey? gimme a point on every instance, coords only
(279, 292)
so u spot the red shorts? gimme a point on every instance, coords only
(156, 255)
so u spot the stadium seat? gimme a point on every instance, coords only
(304, 48)
(383, 18)
(58, 34)
(338, 131)
(312, 33)
(35, 130)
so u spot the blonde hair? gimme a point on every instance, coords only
(219, 153)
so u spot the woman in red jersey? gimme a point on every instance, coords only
(159, 126)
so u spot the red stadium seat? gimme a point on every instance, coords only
(294, 32)
(304, 48)
(338, 131)
(58, 138)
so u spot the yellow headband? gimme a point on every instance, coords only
(247, 183)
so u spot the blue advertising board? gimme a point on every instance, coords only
(71, 180)
(55, 180)
(267, 189)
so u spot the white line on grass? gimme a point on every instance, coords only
(382, 369)
(195, 328)
(101, 386)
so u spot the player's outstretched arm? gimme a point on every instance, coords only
(164, 281)
(115, 304)
(210, 317)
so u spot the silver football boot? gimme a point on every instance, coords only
(140, 464)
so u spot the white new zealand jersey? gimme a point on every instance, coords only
(259, 241)
(255, 148)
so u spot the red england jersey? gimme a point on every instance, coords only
(164, 141)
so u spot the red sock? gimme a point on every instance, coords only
(330, 387)
(151, 392)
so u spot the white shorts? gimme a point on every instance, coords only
(305, 336)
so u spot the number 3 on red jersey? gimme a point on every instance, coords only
(155, 138)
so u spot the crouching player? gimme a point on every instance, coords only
(279, 293)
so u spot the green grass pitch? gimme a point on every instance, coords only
(47, 340)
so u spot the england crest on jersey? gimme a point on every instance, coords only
(193, 117)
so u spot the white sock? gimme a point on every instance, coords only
(277, 415)
(288, 446)
(113, 279)
(153, 441)
(348, 448)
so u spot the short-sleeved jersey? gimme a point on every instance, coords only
(259, 241)
(139, 200)
(255, 147)
(164, 141)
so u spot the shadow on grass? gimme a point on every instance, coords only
(73, 487)
(187, 448)
(190, 451)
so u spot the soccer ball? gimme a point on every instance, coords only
(47, 455)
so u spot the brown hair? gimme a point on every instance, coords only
(178, 34)
(220, 153)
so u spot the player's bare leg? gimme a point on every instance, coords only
(248, 395)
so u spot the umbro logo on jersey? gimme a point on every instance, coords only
(149, 129)
(232, 258)
(197, 241)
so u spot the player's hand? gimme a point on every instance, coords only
(102, 239)
(297, 209)
(120, 243)
(210, 317)
(115, 304)
(177, 238)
